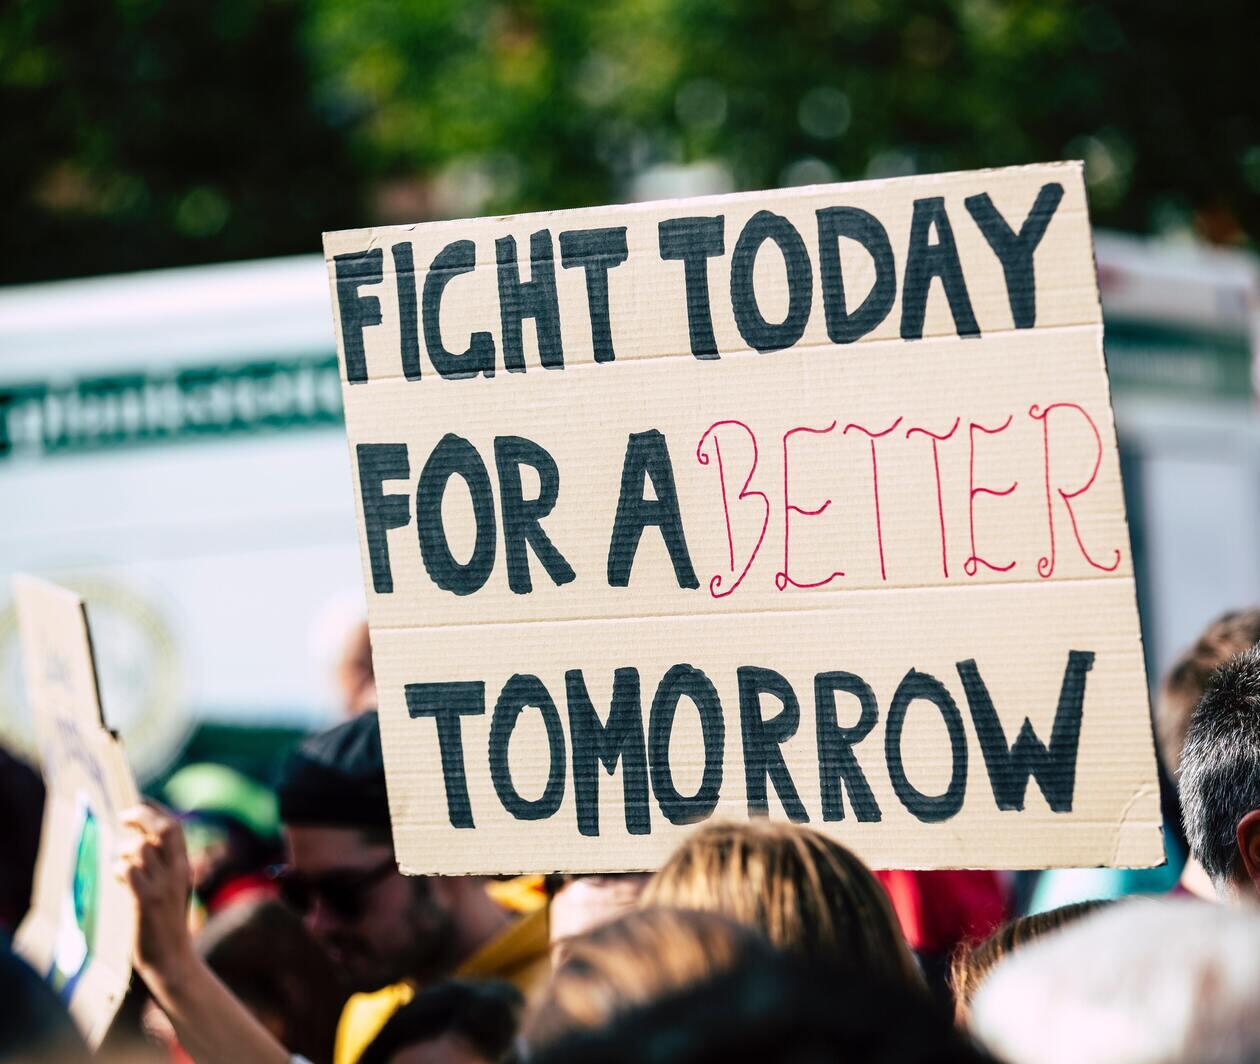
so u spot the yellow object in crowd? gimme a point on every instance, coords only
(518, 956)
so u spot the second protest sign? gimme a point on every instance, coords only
(802, 504)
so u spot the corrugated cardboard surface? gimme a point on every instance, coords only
(1059, 577)
(83, 766)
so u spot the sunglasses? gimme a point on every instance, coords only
(343, 894)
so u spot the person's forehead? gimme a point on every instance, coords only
(314, 849)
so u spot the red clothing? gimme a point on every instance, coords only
(248, 887)
(940, 909)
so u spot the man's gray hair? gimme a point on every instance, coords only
(1142, 982)
(1220, 764)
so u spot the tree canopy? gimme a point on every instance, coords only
(148, 134)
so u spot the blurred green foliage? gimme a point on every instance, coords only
(140, 133)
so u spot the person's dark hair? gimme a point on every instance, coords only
(483, 1014)
(973, 961)
(1220, 764)
(781, 1011)
(336, 778)
(21, 810)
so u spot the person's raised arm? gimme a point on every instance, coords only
(213, 1026)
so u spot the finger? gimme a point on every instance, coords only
(129, 850)
(172, 848)
(135, 840)
(142, 827)
(162, 830)
(143, 858)
(178, 866)
(129, 873)
(132, 842)
(146, 819)
(135, 877)
(132, 813)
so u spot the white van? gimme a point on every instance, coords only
(171, 446)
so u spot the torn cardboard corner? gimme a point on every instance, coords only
(80, 929)
(802, 504)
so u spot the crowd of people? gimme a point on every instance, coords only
(760, 941)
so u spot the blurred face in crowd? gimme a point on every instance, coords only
(587, 902)
(377, 925)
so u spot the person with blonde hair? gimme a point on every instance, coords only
(633, 961)
(804, 891)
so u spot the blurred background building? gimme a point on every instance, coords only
(170, 440)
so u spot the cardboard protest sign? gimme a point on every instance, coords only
(81, 925)
(802, 504)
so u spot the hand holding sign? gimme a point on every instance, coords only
(153, 862)
(212, 1025)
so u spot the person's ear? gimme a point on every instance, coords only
(1248, 838)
